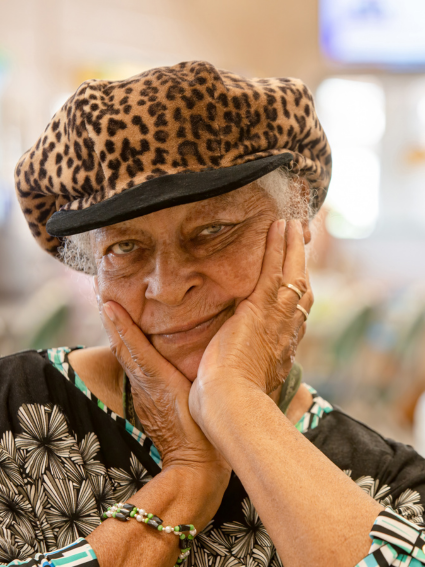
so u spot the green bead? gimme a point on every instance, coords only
(179, 560)
(132, 514)
(190, 537)
(177, 529)
(160, 528)
(150, 516)
(182, 536)
(109, 508)
(184, 550)
(113, 514)
(192, 527)
(104, 515)
(146, 521)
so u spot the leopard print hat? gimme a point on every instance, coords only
(117, 150)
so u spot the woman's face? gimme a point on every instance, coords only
(181, 272)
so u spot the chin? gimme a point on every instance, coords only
(187, 365)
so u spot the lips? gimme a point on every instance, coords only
(188, 326)
(193, 330)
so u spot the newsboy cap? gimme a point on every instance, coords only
(117, 150)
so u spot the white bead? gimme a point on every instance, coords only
(168, 529)
(109, 514)
(193, 532)
(120, 504)
(141, 512)
(178, 533)
(139, 518)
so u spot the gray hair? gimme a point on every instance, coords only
(287, 191)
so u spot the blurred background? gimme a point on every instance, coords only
(365, 62)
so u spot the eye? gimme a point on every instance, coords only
(123, 248)
(212, 229)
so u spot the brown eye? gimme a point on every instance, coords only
(213, 229)
(123, 248)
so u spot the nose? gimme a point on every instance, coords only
(172, 279)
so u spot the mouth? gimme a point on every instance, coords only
(193, 330)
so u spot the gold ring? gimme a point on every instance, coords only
(297, 291)
(303, 311)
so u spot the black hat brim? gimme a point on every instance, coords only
(161, 193)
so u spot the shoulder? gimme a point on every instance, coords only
(93, 364)
(23, 379)
(16, 367)
(384, 468)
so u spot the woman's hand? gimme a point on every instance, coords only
(160, 395)
(257, 345)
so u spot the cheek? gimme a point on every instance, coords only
(238, 271)
(128, 292)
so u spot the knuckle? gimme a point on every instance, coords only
(301, 284)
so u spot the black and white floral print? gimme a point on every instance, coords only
(45, 440)
(235, 544)
(52, 488)
(408, 504)
(102, 492)
(124, 484)
(10, 549)
(71, 513)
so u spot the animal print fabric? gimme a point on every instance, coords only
(111, 136)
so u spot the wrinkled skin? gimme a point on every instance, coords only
(161, 275)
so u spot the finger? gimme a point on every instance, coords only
(138, 353)
(306, 302)
(294, 267)
(302, 332)
(270, 278)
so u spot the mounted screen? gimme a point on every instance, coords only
(387, 33)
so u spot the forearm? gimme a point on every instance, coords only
(313, 512)
(177, 495)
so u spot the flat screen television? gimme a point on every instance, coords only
(382, 33)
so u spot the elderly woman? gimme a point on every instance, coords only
(187, 192)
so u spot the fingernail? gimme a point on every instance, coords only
(281, 225)
(107, 308)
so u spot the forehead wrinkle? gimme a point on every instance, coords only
(118, 230)
(236, 200)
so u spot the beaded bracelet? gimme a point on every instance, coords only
(124, 511)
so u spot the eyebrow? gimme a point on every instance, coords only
(118, 231)
(221, 204)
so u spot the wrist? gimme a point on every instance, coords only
(199, 490)
(214, 394)
(219, 406)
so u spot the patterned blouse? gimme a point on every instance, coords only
(65, 457)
